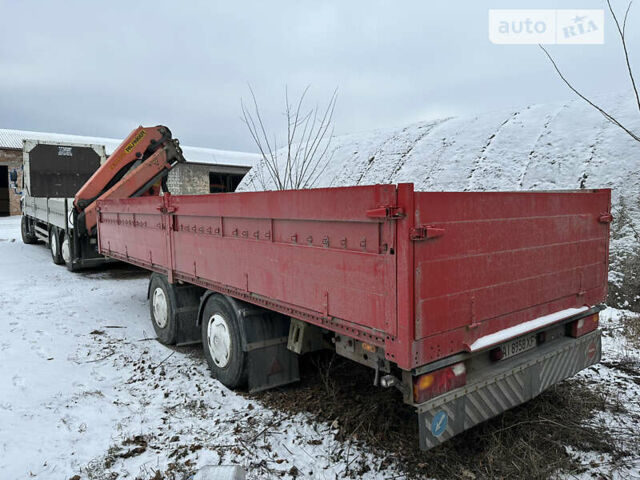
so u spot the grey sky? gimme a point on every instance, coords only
(102, 68)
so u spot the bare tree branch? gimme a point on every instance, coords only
(272, 162)
(269, 159)
(624, 22)
(324, 125)
(602, 111)
(292, 162)
(621, 32)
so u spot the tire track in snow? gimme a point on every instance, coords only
(412, 145)
(594, 147)
(353, 168)
(543, 132)
(483, 152)
(380, 152)
(427, 181)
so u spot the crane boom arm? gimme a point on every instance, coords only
(137, 167)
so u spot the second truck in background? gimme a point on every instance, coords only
(63, 182)
(53, 174)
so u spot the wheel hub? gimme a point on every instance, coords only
(66, 251)
(54, 243)
(219, 340)
(160, 309)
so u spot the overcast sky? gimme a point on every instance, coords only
(102, 68)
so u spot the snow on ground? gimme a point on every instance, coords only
(618, 374)
(85, 390)
(82, 386)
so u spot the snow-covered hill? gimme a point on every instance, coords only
(555, 146)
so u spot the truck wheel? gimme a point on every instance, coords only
(222, 342)
(161, 306)
(54, 246)
(25, 229)
(65, 251)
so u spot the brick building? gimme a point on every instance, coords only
(206, 171)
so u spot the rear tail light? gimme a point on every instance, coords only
(369, 348)
(436, 383)
(583, 326)
(496, 354)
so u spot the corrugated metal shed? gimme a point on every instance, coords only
(12, 139)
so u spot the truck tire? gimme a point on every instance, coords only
(162, 309)
(65, 251)
(28, 237)
(67, 255)
(54, 246)
(222, 342)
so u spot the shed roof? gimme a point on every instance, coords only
(12, 139)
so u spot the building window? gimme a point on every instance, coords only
(4, 190)
(223, 182)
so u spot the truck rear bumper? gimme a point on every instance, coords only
(523, 378)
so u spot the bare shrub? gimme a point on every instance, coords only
(625, 293)
(631, 329)
(304, 157)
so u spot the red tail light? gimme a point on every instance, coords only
(496, 354)
(583, 326)
(436, 383)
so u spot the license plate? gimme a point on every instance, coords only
(515, 347)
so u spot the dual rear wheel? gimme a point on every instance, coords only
(58, 241)
(162, 304)
(65, 251)
(220, 328)
(26, 230)
(222, 342)
(55, 245)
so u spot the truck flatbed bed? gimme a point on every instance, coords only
(423, 275)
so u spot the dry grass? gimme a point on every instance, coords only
(631, 329)
(627, 294)
(625, 262)
(526, 442)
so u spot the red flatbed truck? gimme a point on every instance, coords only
(469, 303)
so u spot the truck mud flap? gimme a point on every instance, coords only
(187, 299)
(270, 363)
(272, 366)
(188, 329)
(457, 411)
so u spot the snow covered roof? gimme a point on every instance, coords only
(13, 139)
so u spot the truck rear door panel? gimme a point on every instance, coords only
(505, 258)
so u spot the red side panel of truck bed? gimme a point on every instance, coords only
(313, 254)
(423, 275)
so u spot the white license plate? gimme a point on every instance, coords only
(515, 347)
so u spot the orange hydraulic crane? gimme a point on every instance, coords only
(138, 167)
